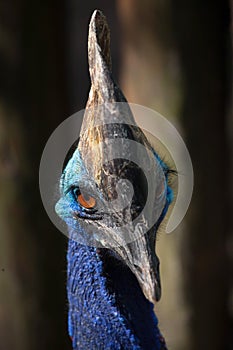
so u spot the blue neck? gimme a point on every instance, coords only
(107, 309)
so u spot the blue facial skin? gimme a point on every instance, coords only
(107, 309)
(75, 176)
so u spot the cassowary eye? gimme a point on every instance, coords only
(87, 201)
(84, 199)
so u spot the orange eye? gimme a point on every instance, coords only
(86, 201)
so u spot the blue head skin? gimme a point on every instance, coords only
(111, 287)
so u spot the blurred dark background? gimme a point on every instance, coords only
(173, 56)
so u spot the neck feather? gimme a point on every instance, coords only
(107, 309)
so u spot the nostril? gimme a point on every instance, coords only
(138, 268)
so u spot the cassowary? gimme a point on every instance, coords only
(112, 284)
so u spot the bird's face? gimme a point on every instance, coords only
(113, 192)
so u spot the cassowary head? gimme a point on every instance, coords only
(114, 190)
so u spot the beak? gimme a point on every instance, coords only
(142, 260)
(106, 117)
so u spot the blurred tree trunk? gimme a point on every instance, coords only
(203, 36)
(150, 75)
(32, 104)
(175, 56)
